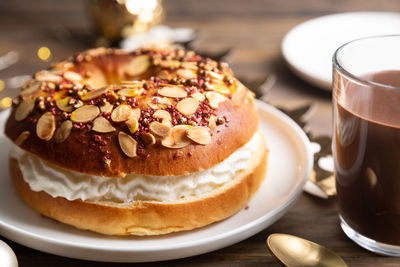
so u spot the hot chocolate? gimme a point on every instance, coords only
(367, 152)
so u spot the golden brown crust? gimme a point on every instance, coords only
(83, 150)
(145, 218)
(72, 153)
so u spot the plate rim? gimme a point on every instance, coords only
(255, 225)
(313, 80)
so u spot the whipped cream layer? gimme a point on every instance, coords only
(72, 185)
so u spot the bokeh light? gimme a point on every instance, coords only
(146, 16)
(6, 102)
(137, 6)
(44, 53)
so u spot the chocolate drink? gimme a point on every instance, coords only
(367, 152)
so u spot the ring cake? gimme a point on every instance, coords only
(136, 143)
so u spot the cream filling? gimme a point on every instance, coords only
(59, 182)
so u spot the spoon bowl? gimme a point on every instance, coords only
(7, 256)
(295, 251)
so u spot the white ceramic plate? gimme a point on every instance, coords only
(290, 162)
(308, 47)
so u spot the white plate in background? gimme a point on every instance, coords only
(289, 165)
(308, 48)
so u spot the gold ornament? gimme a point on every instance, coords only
(115, 20)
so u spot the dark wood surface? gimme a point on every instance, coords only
(254, 30)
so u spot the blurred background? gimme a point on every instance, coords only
(252, 30)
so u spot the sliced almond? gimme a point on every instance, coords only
(22, 137)
(148, 139)
(128, 92)
(157, 102)
(97, 83)
(162, 100)
(188, 106)
(215, 98)
(212, 122)
(133, 83)
(215, 75)
(51, 85)
(106, 107)
(178, 137)
(153, 106)
(239, 96)
(63, 104)
(162, 114)
(173, 91)
(186, 74)
(167, 122)
(208, 86)
(140, 91)
(63, 65)
(198, 96)
(97, 51)
(159, 129)
(164, 75)
(59, 95)
(127, 144)
(46, 126)
(199, 134)
(85, 113)
(138, 65)
(31, 89)
(24, 109)
(63, 131)
(94, 93)
(136, 86)
(170, 64)
(72, 76)
(221, 88)
(80, 86)
(189, 65)
(121, 113)
(132, 124)
(47, 76)
(102, 125)
(135, 113)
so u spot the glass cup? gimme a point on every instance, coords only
(366, 141)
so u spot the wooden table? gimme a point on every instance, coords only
(254, 30)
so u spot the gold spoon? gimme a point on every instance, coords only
(7, 256)
(294, 251)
